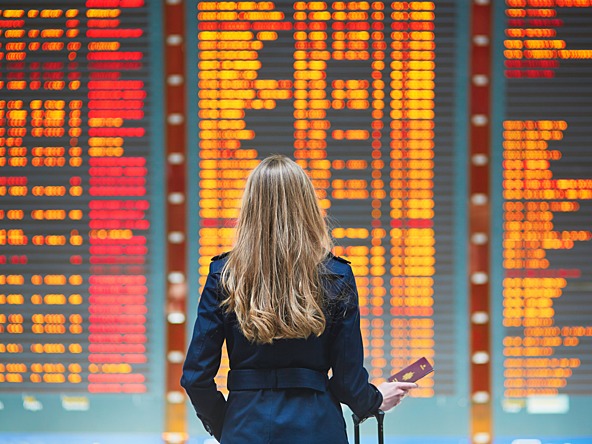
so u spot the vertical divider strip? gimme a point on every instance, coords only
(176, 224)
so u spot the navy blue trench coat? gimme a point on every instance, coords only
(280, 392)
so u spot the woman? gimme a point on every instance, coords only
(288, 310)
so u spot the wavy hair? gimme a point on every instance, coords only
(272, 275)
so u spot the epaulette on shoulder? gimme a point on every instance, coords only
(340, 259)
(220, 256)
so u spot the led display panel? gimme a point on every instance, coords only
(541, 218)
(362, 95)
(80, 317)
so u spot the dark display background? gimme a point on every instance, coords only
(418, 257)
(81, 324)
(395, 194)
(544, 352)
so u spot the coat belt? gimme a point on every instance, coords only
(281, 378)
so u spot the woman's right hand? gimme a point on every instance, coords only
(393, 393)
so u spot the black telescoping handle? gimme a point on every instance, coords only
(356, 428)
(380, 422)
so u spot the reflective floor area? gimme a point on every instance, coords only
(81, 438)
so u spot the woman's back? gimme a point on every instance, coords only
(288, 311)
(280, 392)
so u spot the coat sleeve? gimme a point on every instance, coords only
(349, 383)
(203, 359)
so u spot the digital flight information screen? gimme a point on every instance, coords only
(80, 224)
(362, 95)
(541, 220)
(372, 99)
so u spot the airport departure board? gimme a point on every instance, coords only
(371, 98)
(359, 94)
(362, 95)
(79, 308)
(543, 217)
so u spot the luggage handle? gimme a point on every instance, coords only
(380, 423)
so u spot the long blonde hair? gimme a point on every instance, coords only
(272, 274)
